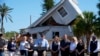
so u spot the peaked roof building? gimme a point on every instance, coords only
(59, 17)
(71, 9)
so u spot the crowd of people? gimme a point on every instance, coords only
(63, 47)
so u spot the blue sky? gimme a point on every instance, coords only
(22, 9)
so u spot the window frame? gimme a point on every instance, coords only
(62, 12)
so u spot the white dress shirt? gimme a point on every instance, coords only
(42, 43)
(22, 45)
(73, 46)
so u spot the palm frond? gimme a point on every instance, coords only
(9, 17)
(6, 18)
(0, 20)
(4, 13)
(86, 25)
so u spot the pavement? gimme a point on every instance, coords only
(48, 54)
(6, 53)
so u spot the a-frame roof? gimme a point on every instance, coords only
(73, 4)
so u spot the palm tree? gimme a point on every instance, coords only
(4, 13)
(98, 20)
(85, 26)
(47, 4)
(97, 27)
(98, 6)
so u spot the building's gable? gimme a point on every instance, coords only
(49, 22)
(63, 13)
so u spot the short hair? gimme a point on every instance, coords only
(94, 37)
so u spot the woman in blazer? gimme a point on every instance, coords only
(11, 47)
(55, 46)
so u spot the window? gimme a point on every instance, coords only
(55, 34)
(62, 12)
(34, 36)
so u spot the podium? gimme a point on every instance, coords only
(39, 48)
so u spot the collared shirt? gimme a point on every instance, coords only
(73, 46)
(42, 43)
(22, 45)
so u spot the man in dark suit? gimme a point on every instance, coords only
(64, 46)
(93, 48)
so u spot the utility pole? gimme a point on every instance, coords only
(30, 19)
(30, 23)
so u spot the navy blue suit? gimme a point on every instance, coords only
(93, 47)
(10, 46)
(63, 44)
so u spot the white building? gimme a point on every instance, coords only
(56, 21)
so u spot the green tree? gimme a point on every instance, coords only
(98, 21)
(98, 6)
(4, 14)
(47, 4)
(10, 34)
(85, 25)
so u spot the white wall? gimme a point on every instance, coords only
(49, 35)
(61, 29)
